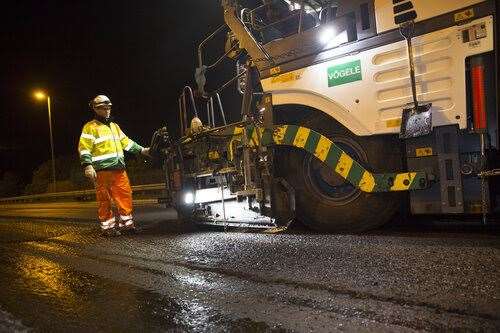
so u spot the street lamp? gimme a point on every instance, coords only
(40, 95)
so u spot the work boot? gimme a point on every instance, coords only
(108, 227)
(128, 225)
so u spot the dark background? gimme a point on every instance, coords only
(139, 53)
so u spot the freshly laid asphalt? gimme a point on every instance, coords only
(60, 274)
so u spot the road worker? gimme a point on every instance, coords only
(101, 148)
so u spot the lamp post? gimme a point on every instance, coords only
(40, 95)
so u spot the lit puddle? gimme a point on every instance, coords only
(44, 295)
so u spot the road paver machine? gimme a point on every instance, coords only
(351, 111)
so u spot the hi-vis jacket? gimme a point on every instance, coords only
(103, 145)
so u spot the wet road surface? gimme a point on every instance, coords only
(60, 274)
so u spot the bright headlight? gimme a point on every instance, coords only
(189, 198)
(327, 35)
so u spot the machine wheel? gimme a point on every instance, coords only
(328, 203)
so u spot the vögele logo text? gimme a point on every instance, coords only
(344, 73)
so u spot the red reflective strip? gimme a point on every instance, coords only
(478, 98)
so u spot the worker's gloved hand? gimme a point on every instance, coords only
(145, 152)
(90, 172)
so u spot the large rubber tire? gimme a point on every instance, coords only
(325, 201)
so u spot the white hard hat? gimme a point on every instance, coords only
(100, 100)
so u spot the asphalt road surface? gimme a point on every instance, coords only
(59, 274)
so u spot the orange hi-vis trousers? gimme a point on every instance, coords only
(113, 185)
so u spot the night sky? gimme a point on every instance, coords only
(139, 53)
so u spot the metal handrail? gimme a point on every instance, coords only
(228, 83)
(81, 193)
(223, 115)
(264, 27)
(183, 120)
(211, 113)
(206, 40)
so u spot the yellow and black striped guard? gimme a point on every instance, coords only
(333, 156)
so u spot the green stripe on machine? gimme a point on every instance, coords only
(312, 142)
(290, 133)
(356, 173)
(333, 156)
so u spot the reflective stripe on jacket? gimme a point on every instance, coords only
(103, 145)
